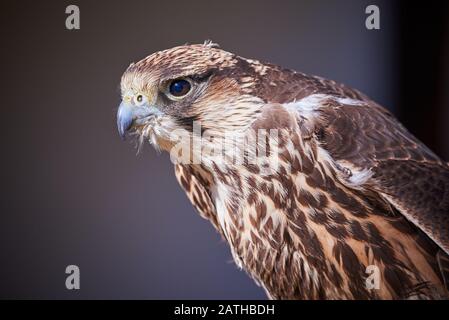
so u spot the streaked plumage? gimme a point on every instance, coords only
(354, 188)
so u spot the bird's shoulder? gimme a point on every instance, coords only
(373, 151)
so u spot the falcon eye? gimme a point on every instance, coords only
(179, 87)
(139, 98)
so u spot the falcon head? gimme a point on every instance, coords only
(174, 88)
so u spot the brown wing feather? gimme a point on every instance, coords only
(410, 176)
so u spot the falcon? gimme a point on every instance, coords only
(344, 203)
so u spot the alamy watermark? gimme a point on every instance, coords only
(72, 282)
(372, 21)
(72, 21)
(373, 279)
(259, 147)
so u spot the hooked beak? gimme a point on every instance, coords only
(128, 114)
(124, 118)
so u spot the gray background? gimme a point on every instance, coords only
(74, 193)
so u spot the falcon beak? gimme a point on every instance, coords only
(124, 118)
(128, 114)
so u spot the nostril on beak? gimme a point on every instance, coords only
(124, 119)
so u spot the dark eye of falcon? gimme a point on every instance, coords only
(139, 98)
(179, 87)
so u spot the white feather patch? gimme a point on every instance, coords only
(308, 106)
(359, 177)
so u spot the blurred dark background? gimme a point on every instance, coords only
(73, 193)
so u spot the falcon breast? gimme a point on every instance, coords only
(311, 183)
